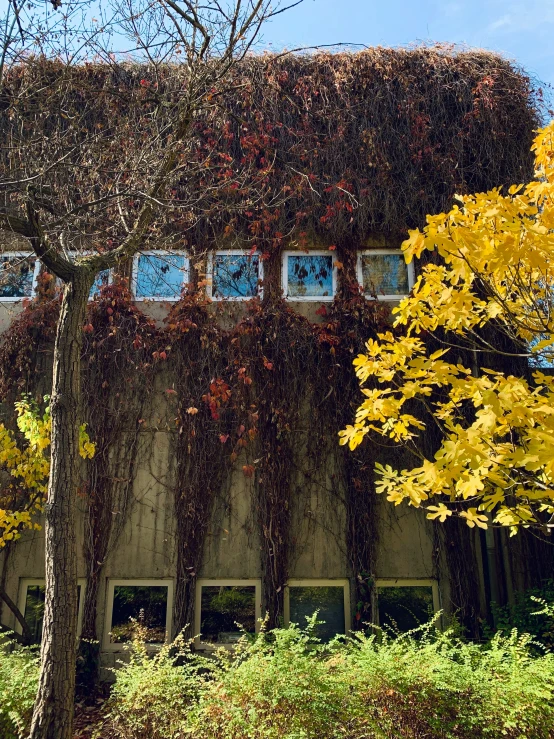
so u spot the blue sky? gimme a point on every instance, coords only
(523, 31)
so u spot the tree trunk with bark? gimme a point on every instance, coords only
(53, 712)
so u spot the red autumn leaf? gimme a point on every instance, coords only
(89, 328)
(248, 470)
(321, 311)
(332, 247)
(223, 438)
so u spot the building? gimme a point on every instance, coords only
(217, 366)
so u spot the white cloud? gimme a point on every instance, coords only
(532, 15)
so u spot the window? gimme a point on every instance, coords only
(331, 598)
(102, 278)
(405, 604)
(18, 276)
(310, 276)
(385, 274)
(221, 605)
(147, 601)
(160, 275)
(31, 605)
(234, 275)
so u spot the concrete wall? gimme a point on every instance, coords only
(145, 548)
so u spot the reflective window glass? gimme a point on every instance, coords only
(16, 276)
(222, 608)
(101, 280)
(405, 607)
(34, 609)
(385, 274)
(327, 600)
(144, 603)
(160, 276)
(235, 275)
(309, 276)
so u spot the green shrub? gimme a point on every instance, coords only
(18, 687)
(286, 685)
(529, 613)
(153, 692)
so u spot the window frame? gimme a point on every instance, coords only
(231, 253)
(111, 584)
(319, 582)
(36, 270)
(359, 273)
(307, 298)
(407, 582)
(222, 582)
(159, 253)
(25, 582)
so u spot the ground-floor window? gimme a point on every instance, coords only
(405, 604)
(225, 609)
(147, 603)
(31, 605)
(331, 598)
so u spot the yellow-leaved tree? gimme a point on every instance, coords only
(470, 354)
(24, 469)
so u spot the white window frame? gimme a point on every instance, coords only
(408, 583)
(207, 582)
(159, 253)
(108, 646)
(311, 583)
(25, 582)
(36, 271)
(308, 298)
(232, 253)
(370, 252)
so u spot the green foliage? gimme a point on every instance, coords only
(18, 687)
(287, 685)
(532, 612)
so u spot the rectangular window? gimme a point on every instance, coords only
(234, 275)
(102, 279)
(331, 598)
(31, 605)
(403, 605)
(310, 276)
(160, 275)
(18, 276)
(383, 273)
(225, 609)
(147, 602)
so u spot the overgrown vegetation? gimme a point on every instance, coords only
(18, 688)
(287, 685)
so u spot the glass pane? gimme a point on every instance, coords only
(222, 608)
(144, 603)
(309, 276)
(404, 608)
(160, 276)
(328, 600)
(385, 274)
(102, 279)
(16, 276)
(235, 275)
(34, 609)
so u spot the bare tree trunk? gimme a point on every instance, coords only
(53, 712)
